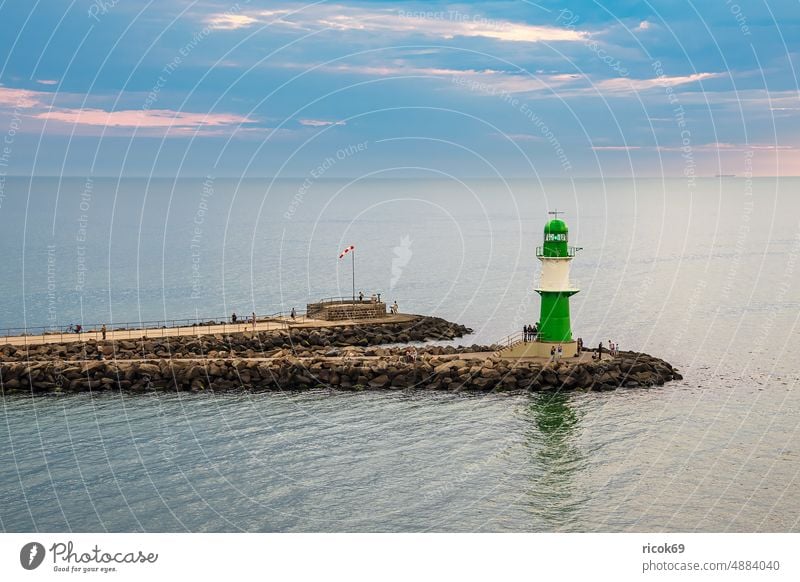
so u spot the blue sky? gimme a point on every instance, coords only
(667, 88)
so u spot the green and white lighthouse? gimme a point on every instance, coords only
(554, 286)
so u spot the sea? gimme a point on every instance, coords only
(701, 272)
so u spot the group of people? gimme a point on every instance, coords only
(235, 318)
(613, 350)
(530, 332)
(556, 353)
(374, 298)
(78, 328)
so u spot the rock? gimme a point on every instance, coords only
(379, 381)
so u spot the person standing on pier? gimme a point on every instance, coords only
(103, 331)
(233, 317)
(293, 314)
(254, 321)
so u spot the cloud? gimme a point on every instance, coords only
(319, 122)
(521, 136)
(37, 105)
(230, 21)
(495, 82)
(22, 98)
(615, 148)
(706, 147)
(47, 81)
(626, 85)
(445, 24)
(480, 81)
(162, 120)
(644, 25)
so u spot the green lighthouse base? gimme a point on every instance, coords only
(537, 349)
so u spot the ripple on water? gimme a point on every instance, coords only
(633, 460)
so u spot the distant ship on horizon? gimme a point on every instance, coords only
(724, 175)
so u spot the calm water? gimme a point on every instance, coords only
(706, 277)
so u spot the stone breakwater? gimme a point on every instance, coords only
(334, 358)
(300, 340)
(455, 373)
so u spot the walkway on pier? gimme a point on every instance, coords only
(271, 324)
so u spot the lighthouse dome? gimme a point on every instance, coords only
(556, 226)
(555, 239)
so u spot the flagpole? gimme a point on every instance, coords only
(353, 254)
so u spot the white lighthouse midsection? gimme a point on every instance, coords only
(555, 275)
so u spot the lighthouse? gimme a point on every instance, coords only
(555, 288)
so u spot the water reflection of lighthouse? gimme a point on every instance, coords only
(556, 461)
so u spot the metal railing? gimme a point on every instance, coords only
(516, 338)
(342, 299)
(152, 328)
(570, 253)
(572, 284)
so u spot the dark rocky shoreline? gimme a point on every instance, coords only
(305, 359)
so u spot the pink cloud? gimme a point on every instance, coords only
(47, 82)
(155, 118)
(21, 98)
(439, 24)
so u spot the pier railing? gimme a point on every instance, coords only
(512, 340)
(516, 338)
(151, 328)
(348, 299)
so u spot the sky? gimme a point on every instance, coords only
(350, 89)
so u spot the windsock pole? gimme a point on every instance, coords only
(351, 250)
